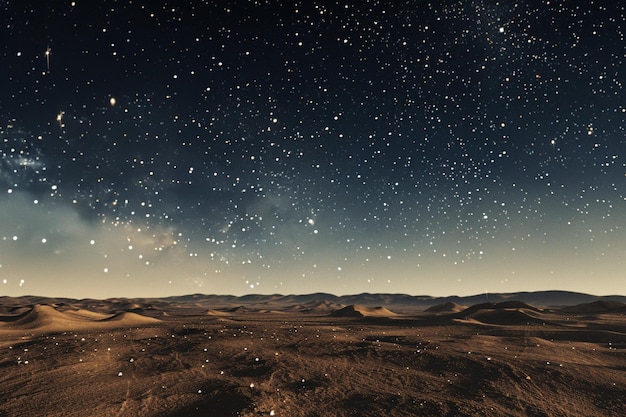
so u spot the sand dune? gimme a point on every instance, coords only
(40, 317)
(46, 318)
(517, 305)
(322, 306)
(129, 318)
(503, 313)
(505, 317)
(238, 309)
(449, 307)
(212, 312)
(356, 310)
(83, 314)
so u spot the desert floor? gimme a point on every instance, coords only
(318, 360)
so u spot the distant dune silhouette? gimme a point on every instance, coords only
(601, 306)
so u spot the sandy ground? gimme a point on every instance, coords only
(117, 358)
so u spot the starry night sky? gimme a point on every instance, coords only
(153, 148)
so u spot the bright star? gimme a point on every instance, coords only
(48, 53)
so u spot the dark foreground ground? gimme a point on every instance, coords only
(491, 360)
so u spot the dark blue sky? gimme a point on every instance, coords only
(450, 147)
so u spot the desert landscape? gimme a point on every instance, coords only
(523, 354)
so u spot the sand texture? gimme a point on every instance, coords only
(310, 356)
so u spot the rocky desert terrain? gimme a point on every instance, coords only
(313, 355)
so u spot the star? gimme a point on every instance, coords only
(60, 119)
(47, 54)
